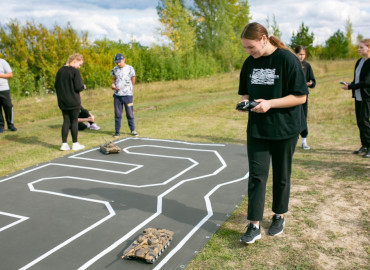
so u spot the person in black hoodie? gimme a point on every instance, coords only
(68, 85)
(360, 87)
(300, 51)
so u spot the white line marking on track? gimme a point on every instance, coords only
(63, 244)
(21, 219)
(110, 209)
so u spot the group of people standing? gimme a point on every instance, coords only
(68, 85)
(278, 80)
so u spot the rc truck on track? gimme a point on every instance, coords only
(149, 245)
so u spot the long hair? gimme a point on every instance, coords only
(255, 31)
(75, 56)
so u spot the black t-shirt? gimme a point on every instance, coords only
(269, 77)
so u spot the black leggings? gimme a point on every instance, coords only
(70, 120)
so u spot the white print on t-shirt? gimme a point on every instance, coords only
(263, 76)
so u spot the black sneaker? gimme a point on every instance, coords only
(13, 128)
(276, 226)
(367, 154)
(363, 149)
(116, 135)
(251, 235)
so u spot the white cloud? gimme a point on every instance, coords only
(124, 20)
(323, 17)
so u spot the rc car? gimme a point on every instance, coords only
(149, 245)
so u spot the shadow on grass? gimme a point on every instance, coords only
(33, 140)
(347, 167)
(216, 139)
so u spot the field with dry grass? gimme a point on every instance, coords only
(327, 226)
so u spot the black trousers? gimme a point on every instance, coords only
(7, 106)
(363, 121)
(260, 153)
(70, 121)
(304, 133)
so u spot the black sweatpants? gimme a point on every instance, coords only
(70, 120)
(6, 104)
(363, 121)
(260, 153)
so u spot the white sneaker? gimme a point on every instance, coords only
(94, 126)
(305, 146)
(65, 147)
(77, 146)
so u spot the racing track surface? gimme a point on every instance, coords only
(82, 210)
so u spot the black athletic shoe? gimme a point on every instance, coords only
(367, 154)
(363, 149)
(116, 135)
(277, 225)
(13, 128)
(251, 235)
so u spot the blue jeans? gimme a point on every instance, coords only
(119, 102)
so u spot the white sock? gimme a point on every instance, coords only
(303, 140)
(257, 226)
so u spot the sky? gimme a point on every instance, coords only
(137, 20)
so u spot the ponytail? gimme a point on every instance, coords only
(278, 43)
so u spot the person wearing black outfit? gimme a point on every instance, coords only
(68, 85)
(273, 77)
(300, 51)
(5, 99)
(89, 118)
(360, 87)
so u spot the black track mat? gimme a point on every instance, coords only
(81, 211)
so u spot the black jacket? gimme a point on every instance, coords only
(364, 83)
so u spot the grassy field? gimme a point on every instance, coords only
(328, 224)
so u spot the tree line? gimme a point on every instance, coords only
(204, 39)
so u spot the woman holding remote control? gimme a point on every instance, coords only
(273, 77)
(360, 87)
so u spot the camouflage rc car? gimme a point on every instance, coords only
(149, 245)
(109, 148)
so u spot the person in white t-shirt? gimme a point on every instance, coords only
(123, 79)
(5, 99)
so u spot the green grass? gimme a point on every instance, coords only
(328, 222)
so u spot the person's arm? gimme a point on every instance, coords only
(279, 103)
(245, 97)
(113, 86)
(133, 78)
(6, 75)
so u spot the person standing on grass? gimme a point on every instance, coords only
(360, 87)
(271, 75)
(5, 100)
(300, 51)
(123, 79)
(68, 85)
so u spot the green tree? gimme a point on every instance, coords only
(219, 24)
(352, 51)
(177, 24)
(336, 46)
(273, 29)
(303, 37)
